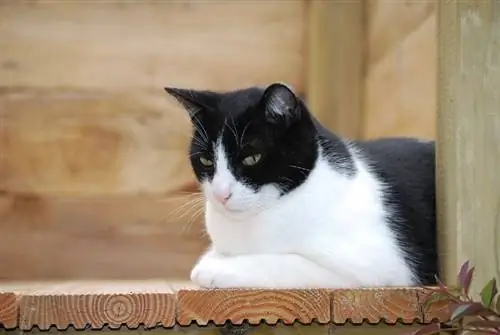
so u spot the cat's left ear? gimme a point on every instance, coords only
(280, 102)
(195, 102)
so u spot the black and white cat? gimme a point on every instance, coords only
(291, 205)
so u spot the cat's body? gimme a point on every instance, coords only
(291, 205)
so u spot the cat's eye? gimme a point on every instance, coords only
(251, 160)
(206, 161)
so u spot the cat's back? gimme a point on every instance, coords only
(409, 162)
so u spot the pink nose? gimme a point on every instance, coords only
(222, 197)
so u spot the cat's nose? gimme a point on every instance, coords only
(222, 196)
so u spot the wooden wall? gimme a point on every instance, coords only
(92, 149)
(401, 64)
(91, 145)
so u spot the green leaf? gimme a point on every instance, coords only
(488, 292)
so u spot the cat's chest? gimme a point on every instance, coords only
(263, 234)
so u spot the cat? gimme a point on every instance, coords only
(289, 204)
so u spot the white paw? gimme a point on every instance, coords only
(213, 273)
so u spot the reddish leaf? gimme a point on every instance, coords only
(463, 272)
(432, 328)
(484, 324)
(475, 308)
(468, 280)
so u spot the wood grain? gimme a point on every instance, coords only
(91, 237)
(468, 150)
(438, 311)
(151, 303)
(388, 23)
(8, 310)
(400, 91)
(335, 64)
(253, 305)
(80, 44)
(98, 304)
(375, 305)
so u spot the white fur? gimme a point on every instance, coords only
(329, 232)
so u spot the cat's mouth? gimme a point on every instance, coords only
(227, 209)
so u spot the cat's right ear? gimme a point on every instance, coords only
(194, 102)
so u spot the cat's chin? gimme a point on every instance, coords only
(232, 212)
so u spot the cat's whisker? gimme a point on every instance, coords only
(200, 142)
(183, 210)
(180, 195)
(195, 153)
(193, 217)
(235, 128)
(243, 134)
(299, 168)
(231, 129)
(201, 128)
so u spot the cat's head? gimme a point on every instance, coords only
(249, 147)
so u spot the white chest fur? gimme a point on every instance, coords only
(336, 223)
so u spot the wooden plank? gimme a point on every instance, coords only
(90, 142)
(261, 329)
(77, 44)
(98, 304)
(374, 305)
(151, 303)
(8, 310)
(128, 237)
(390, 22)
(334, 88)
(438, 311)
(237, 306)
(468, 150)
(408, 73)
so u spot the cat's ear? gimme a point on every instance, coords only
(195, 102)
(280, 102)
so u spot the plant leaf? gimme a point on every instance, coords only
(468, 280)
(463, 272)
(469, 309)
(488, 292)
(432, 328)
(497, 305)
(484, 323)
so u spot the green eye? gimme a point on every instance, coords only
(206, 162)
(251, 160)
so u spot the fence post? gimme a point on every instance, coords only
(468, 138)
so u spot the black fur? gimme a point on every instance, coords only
(287, 143)
(289, 146)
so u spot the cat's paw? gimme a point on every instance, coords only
(215, 274)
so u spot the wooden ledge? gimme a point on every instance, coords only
(83, 304)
